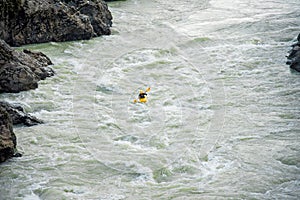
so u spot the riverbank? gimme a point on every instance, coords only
(20, 71)
(33, 21)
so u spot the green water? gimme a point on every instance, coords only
(222, 120)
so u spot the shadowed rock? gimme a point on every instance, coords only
(18, 115)
(7, 137)
(34, 21)
(293, 59)
(21, 71)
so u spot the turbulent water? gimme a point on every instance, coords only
(222, 120)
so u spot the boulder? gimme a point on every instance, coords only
(18, 114)
(8, 140)
(21, 71)
(293, 59)
(34, 21)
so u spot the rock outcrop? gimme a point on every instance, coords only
(21, 71)
(18, 71)
(34, 21)
(294, 55)
(7, 137)
(18, 114)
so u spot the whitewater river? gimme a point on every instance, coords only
(222, 120)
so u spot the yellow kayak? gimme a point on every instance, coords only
(142, 98)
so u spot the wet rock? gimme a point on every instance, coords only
(17, 154)
(21, 71)
(34, 21)
(8, 140)
(18, 115)
(12, 114)
(293, 59)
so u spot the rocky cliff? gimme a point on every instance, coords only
(34, 21)
(21, 71)
(18, 71)
(7, 137)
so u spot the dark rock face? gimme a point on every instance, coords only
(22, 70)
(294, 56)
(34, 21)
(7, 137)
(18, 115)
(18, 71)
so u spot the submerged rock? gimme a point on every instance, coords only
(34, 21)
(21, 71)
(294, 56)
(18, 115)
(8, 140)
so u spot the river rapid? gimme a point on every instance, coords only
(222, 120)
